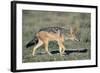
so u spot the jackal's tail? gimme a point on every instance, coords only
(34, 41)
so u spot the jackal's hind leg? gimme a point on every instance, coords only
(46, 49)
(37, 46)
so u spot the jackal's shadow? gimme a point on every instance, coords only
(67, 52)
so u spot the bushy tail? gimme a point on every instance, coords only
(32, 42)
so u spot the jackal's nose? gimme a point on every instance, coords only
(77, 40)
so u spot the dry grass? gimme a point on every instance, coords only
(35, 20)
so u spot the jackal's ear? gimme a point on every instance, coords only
(74, 30)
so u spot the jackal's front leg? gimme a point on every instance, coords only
(61, 48)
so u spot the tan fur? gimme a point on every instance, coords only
(45, 37)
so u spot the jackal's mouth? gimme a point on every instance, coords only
(72, 39)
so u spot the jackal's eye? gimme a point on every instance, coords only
(69, 35)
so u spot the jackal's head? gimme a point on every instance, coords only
(73, 34)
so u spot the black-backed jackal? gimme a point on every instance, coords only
(45, 35)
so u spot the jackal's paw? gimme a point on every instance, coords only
(49, 54)
(62, 54)
(33, 54)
